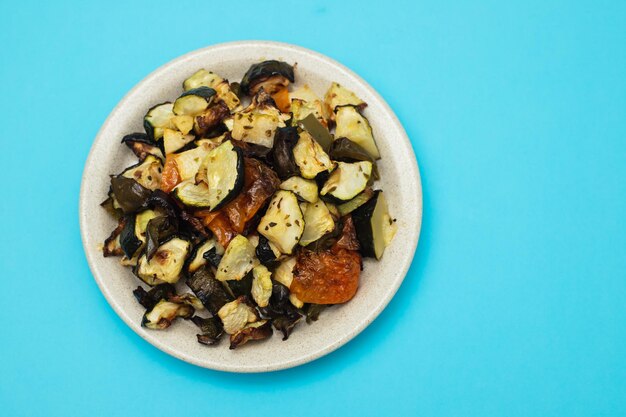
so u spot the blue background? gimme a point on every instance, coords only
(515, 303)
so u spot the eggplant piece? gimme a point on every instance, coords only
(128, 240)
(147, 172)
(198, 256)
(317, 222)
(349, 206)
(281, 310)
(337, 96)
(149, 299)
(160, 199)
(240, 288)
(188, 299)
(266, 252)
(261, 285)
(236, 314)
(142, 219)
(317, 130)
(110, 206)
(354, 126)
(310, 157)
(167, 263)
(313, 312)
(164, 313)
(285, 140)
(252, 150)
(173, 140)
(254, 331)
(209, 291)
(158, 118)
(347, 181)
(283, 223)
(142, 146)
(304, 189)
(211, 329)
(112, 243)
(213, 256)
(270, 75)
(374, 227)
(129, 194)
(209, 119)
(194, 101)
(237, 261)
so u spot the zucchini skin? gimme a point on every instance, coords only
(362, 223)
(204, 92)
(128, 240)
(264, 70)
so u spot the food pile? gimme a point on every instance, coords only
(258, 196)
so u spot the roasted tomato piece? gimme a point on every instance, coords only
(347, 238)
(170, 176)
(328, 277)
(259, 185)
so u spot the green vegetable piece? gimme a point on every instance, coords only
(317, 131)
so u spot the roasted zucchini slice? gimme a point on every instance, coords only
(202, 78)
(261, 285)
(225, 174)
(269, 75)
(310, 157)
(303, 188)
(147, 172)
(374, 227)
(183, 123)
(158, 118)
(307, 102)
(142, 145)
(237, 261)
(193, 195)
(174, 140)
(190, 162)
(337, 95)
(193, 102)
(164, 313)
(317, 222)
(283, 223)
(167, 263)
(349, 206)
(348, 180)
(352, 125)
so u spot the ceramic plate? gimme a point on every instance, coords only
(337, 325)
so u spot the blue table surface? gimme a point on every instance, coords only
(516, 299)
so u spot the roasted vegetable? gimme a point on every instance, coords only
(191, 164)
(129, 242)
(347, 181)
(281, 311)
(147, 172)
(285, 140)
(173, 140)
(166, 264)
(261, 285)
(305, 102)
(210, 291)
(164, 313)
(211, 118)
(317, 130)
(149, 299)
(129, 194)
(243, 287)
(349, 206)
(313, 312)
(210, 79)
(269, 75)
(184, 123)
(352, 125)
(225, 174)
(237, 261)
(283, 224)
(337, 95)
(266, 252)
(310, 157)
(236, 314)
(158, 118)
(317, 222)
(303, 188)
(343, 149)
(112, 243)
(328, 277)
(258, 122)
(347, 237)
(211, 329)
(374, 227)
(194, 101)
(193, 195)
(199, 256)
(158, 231)
(254, 331)
(142, 145)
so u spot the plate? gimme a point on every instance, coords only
(337, 325)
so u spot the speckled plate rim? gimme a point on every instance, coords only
(412, 170)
